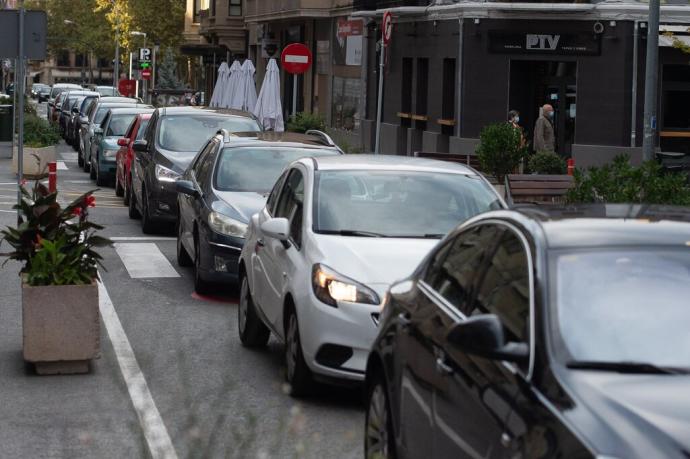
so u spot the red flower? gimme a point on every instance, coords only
(39, 240)
(23, 182)
(91, 201)
(76, 211)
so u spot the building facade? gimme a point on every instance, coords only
(452, 68)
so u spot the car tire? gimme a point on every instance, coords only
(297, 373)
(86, 162)
(200, 285)
(147, 224)
(127, 195)
(80, 160)
(379, 440)
(100, 180)
(119, 190)
(92, 168)
(133, 212)
(183, 258)
(253, 332)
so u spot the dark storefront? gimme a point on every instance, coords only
(447, 79)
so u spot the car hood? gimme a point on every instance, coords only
(110, 143)
(650, 414)
(240, 205)
(175, 160)
(374, 261)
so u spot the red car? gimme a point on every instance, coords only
(125, 156)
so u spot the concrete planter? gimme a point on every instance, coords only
(61, 327)
(32, 168)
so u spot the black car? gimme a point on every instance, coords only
(73, 120)
(539, 334)
(172, 139)
(80, 118)
(66, 108)
(225, 185)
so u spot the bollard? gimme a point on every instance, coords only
(571, 166)
(52, 176)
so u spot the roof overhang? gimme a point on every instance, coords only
(298, 13)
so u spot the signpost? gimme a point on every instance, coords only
(296, 59)
(386, 34)
(127, 87)
(146, 74)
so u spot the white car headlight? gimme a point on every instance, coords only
(331, 287)
(163, 174)
(225, 225)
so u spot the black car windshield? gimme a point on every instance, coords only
(625, 306)
(119, 124)
(398, 203)
(256, 168)
(189, 132)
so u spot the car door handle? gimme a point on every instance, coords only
(442, 367)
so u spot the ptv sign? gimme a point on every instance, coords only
(296, 58)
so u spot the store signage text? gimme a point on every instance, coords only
(549, 43)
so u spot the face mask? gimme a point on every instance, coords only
(517, 119)
(551, 115)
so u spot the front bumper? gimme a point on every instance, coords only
(163, 202)
(220, 258)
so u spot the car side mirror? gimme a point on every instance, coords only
(141, 145)
(123, 142)
(276, 228)
(483, 335)
(186, 187)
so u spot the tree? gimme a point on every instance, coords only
(167, 72)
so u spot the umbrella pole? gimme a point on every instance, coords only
(294, 94)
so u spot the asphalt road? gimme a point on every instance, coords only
(215, 398)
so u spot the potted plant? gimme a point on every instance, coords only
(60, 318)
(547, 163)
(500, 151)
(40, 139)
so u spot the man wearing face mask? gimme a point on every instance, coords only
(544, 139)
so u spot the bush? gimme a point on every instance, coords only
(38, 133)
(302, 122)
(499, 149)
(621, 182)
(547, 162)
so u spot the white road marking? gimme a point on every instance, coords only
(142, 238)
(78, 181)
(145, 260)
(9, 211)
(157, 437)
(61, 166)
(8, 183)
(69, 156)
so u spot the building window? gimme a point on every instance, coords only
(63, 59)
(406, 94)
(197, 8)
(80, 60)
(676, 96)
(422, 92)
(448, 102)
(346, 93)
(213, 8)
(235, 7)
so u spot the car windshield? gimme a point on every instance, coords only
(625, 306)
(190, 132)
(256, 168)
(119, 124)
(142, 128)
(398, 203)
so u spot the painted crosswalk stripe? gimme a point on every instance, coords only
(142, 238)
(69, 156)
(61, 166)
(144, 260)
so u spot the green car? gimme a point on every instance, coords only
(104, 147)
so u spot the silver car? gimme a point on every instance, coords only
(335, 233)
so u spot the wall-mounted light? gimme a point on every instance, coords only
(476, 20)
(612, 23)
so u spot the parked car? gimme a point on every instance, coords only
(44, 93)
(224, 186)
(79, 119)
(54, 117)
(9, 89)
(539, 334)
(172, 140)
(55, 90)
(104, 145)
(125, 155)
(66, 106)
(36, 89)
(106, 90)
(96, 114)
(334, 234)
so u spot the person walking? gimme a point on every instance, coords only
(544, 138)
(514, 120)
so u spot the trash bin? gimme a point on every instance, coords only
(6, 112)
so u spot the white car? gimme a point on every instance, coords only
(335, 233)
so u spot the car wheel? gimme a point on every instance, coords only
(183, 258)
(87, 163)
(253, 332)
(80, 160)
(378, 434)
(92, 168)
(119, 191)
(200, 285)
(127, 195)
(147, 225)
(297, 372)
(133, 212)
(100, 180)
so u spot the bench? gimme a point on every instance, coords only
(468, 160)
(533, 188)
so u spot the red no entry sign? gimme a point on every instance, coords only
(296, 58)
(387, 27)
(146, 74)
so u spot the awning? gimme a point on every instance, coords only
(667, 42)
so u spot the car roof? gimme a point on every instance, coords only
(118, 99)
(130, 110)
(122, 105)
(391, 162)
(186, 109)
(66, 85)
(80, 93)
(291, 139)
(607, 225)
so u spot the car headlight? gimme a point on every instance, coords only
(163, 174)
(225, 225)
(331, 287)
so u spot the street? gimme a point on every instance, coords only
(212, 396)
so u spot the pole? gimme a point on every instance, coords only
(116, 68)
(19, 88)
(294, 94)
(14, 105)
(130, 65)
(633, 121)
(379, 105)
(651, 82)
(153, 68)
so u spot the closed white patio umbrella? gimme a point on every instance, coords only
(221, 85)
(235, 74)
(244, 95)
(268, 108)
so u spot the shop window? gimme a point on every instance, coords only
(103, 63)
(448, 94)
(676, 97)
(406, 94)
(195, 11)
(235, 7)
(63, 59)
(346, 93)
(422, 93)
